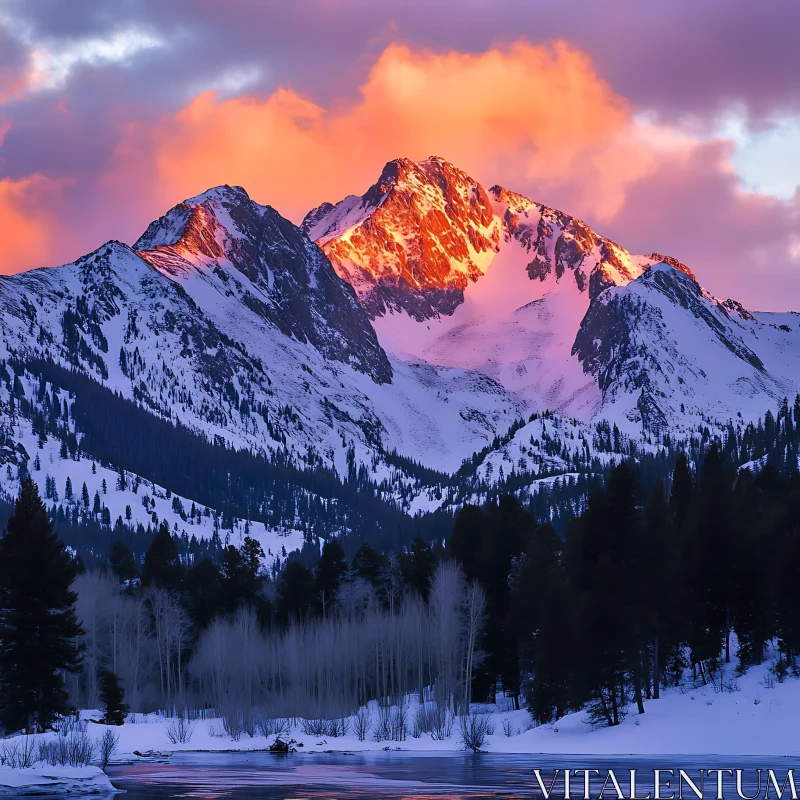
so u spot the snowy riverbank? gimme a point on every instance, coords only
(46, 780)
(754, 715)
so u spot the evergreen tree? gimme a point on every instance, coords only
(202, 586)
(784, 530)
(111, 699)
(368, 564)
(240, 578)
(663, 605)
(38, 623)
(543, 613)
(122, 562)
(295, 592)
(680, 499)
(712, 544)
(417, 563)
(328, 575)
(486, 544)
(162, 564)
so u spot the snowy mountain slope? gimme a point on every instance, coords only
(556, 313)
(233, 256)
(140, 502)
(469, 309)
(228, 320)
(665, 352)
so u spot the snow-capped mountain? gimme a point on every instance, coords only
(413, 241)
(226, 319)
(409, 359)
(234, 256)
(225, 316)
(492, 282)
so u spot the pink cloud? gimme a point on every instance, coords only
(27, 222)
(739, 244)
(539, 119)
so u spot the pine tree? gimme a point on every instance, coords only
(295, 591)
(543, 613)
(38, 623)
(417, 564)
(202, 587)
(122, 562)
(328, 575)
(680, 499)
(111, 699)
(162, 564)
(368, 564)
(713, 542)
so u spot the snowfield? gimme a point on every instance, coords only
(753, 715)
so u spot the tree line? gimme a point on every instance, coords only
(317, 642)
(646, 588)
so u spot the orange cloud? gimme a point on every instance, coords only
(25, 223)
(529, 116)
(536, 118)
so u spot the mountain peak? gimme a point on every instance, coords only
(251, 260)
(413, 240)
(224, 192)
(426, 230)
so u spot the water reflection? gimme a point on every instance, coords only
(397, 776)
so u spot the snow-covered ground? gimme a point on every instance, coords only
(40, 780)
(755, 715)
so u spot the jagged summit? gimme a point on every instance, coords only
(256, 263)
(492, 281)
(419, 236)
(413, 240)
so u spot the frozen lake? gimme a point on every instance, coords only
(415, 776)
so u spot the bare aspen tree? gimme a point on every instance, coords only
(475, 612)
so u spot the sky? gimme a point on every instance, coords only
(668, 125)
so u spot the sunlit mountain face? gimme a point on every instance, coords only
(487, 280)
(402, 352)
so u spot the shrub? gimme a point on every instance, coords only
(180, 731)
(19, 753)
(436, 719)
(363, 723)
(392, 724)
(239, 719)
(272, 727)
(326, 727)
(473, 728)
(315, 727)
(72, 747)
(106, 747)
